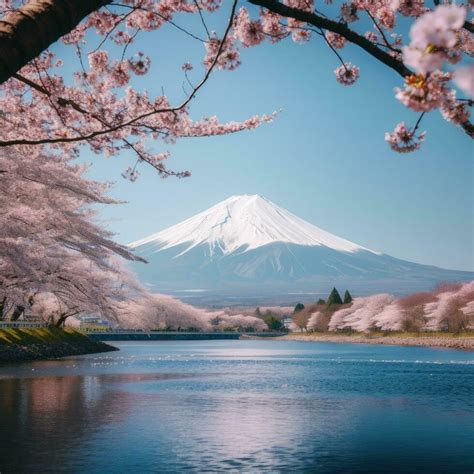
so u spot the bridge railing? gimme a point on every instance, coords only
(21, 324)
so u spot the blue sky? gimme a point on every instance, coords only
(324, 157)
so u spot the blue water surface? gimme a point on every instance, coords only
(241, 406)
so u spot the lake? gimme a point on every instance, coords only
(241, 406)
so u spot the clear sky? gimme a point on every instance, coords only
(324, 157)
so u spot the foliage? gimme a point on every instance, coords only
(347, 297)
(273, 322)
(334, 298)
(298, 307)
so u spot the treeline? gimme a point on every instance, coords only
(449, 307)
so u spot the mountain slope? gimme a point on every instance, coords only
(249, 244)
(243, 223)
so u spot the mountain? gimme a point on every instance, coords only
(249, 245)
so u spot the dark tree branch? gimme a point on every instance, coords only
(130, 122)
(27, 32)
(342, 29)
(336, 27)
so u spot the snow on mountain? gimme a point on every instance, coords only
(249, 245)
(244, 223)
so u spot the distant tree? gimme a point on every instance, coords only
(298, 307)
(300, 319)
(334, 298)
(258, 313)
(347, 297)
(274, 323)
(321, 301)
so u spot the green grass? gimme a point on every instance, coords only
(27, 336)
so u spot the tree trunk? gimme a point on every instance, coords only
(2, 307)
(17, 313)
(29, 30)
(60, 322)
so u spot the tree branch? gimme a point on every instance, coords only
(343, 30)
(27, 32)
(336, 27)
(128, 123)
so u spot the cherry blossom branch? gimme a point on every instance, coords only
(202, 19)
(342, 29)
(128, 123)
(468, 26)
(387, 43)
(336, 27)
(29, 30)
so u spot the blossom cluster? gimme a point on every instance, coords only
(347, 74)
(404, 140)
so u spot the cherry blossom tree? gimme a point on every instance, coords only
(54, 258)
(98, 106)
(155, 311)
(445, 308)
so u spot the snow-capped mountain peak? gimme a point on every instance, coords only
(244, 223)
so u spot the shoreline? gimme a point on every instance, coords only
(446, 341)
(19, 345)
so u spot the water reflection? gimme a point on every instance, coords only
(240, 407)
(43, 419)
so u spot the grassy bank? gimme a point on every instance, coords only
(463, 340)
(46, 343)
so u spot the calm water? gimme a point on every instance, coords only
(241, 406)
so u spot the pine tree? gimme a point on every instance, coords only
(347, 297)
(321, 301)
(298, 307)
(334, 298)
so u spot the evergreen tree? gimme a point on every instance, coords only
(298, 307)
(347, 297)
(321, 301)
(273, 322)
(334, 298)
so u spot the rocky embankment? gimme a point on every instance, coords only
(453, 341)
(46, 343)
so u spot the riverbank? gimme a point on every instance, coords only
(46, 343)
(447, 340)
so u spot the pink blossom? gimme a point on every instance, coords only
(140, 64)
(347, 74)
(454, 111)
(249, 33)
(433, 36)
(335, 40)
(271, 25)
(371, 36)
(404, 140)
(349, 12)
(411, 7)
(99, 61)
(423, 94)
(131, 174)
(229, 57)
(464, 79)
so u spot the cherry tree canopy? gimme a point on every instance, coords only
(99, 107)
(52, 253)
